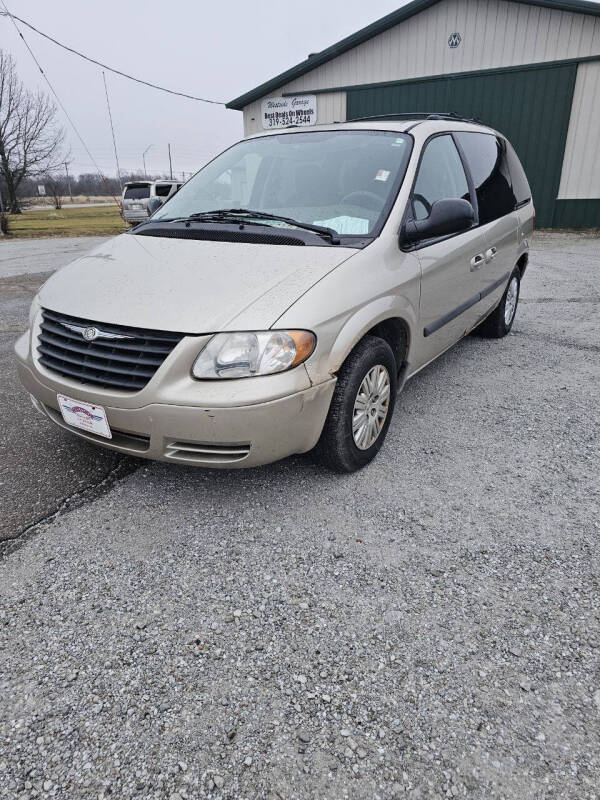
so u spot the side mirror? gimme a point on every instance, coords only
(154, 203)
(446, 217)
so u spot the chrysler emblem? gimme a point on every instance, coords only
(89, 334)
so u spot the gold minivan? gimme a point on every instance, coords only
(279, 301)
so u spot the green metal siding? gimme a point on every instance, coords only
(577, 214)
(531, 107)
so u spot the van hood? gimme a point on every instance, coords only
(188, 286)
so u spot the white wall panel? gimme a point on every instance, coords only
(495, 33)
(580, 179)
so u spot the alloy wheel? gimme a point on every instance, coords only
(510, 304)
(371, 407)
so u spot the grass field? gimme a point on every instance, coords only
(95, 221)
(80, 199)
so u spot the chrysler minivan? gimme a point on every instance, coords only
(279, 301)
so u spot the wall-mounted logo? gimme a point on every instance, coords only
(283, 112)
(454, 40)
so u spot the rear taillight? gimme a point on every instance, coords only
(533, 221)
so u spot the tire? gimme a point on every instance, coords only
(337, 448)
(500, 321)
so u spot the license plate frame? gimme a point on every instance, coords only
(88, 417)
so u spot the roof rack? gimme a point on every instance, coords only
(425, 115)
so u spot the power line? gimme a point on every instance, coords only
(104, 66)
(58, 100)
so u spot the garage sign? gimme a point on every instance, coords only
(280, 112)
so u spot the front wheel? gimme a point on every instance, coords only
(500, 321)
(361, 408)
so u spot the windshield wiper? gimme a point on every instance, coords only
(246, 215)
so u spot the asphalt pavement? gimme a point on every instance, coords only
(426, 628)
(41, 469)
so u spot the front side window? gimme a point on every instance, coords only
(441, 176)
(345, 180)
(486, 158)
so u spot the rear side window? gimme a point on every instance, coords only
(520, 184)
(441, 176)
(486, 157)
(162, 189)
(137, 191)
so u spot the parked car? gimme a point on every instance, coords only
(280, 300)
(137, 194)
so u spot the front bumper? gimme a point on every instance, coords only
(225, 434)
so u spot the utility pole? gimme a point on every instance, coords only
(144, 159)
(170, 164)
(68, 180)
(112, 129)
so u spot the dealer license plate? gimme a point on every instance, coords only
(86, 416)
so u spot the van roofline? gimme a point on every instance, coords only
(150, 182)
(431, 123)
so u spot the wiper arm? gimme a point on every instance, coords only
(242, 213)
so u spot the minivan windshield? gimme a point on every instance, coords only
(344, 180)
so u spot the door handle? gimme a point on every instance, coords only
(489, 254)
(477, 261)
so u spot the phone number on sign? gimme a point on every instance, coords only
(279, 119)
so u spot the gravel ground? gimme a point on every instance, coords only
(426, 628)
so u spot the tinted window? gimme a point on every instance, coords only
(441, 176)
(486, 157)
(137, 191)
(520, 184)
(162, 189)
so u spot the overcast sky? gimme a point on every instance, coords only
(216, 50)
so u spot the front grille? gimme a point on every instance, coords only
(126, 364)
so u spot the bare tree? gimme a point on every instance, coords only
(30, 138)
(55, 187)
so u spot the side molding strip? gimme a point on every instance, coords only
(456, 312)
(493, 286)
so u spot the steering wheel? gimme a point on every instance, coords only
(374, 201)
(424, 202)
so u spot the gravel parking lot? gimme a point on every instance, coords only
(426, 628)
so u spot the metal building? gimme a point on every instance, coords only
(529, 69)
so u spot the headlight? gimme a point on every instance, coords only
(243, 355)
(35, 307)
